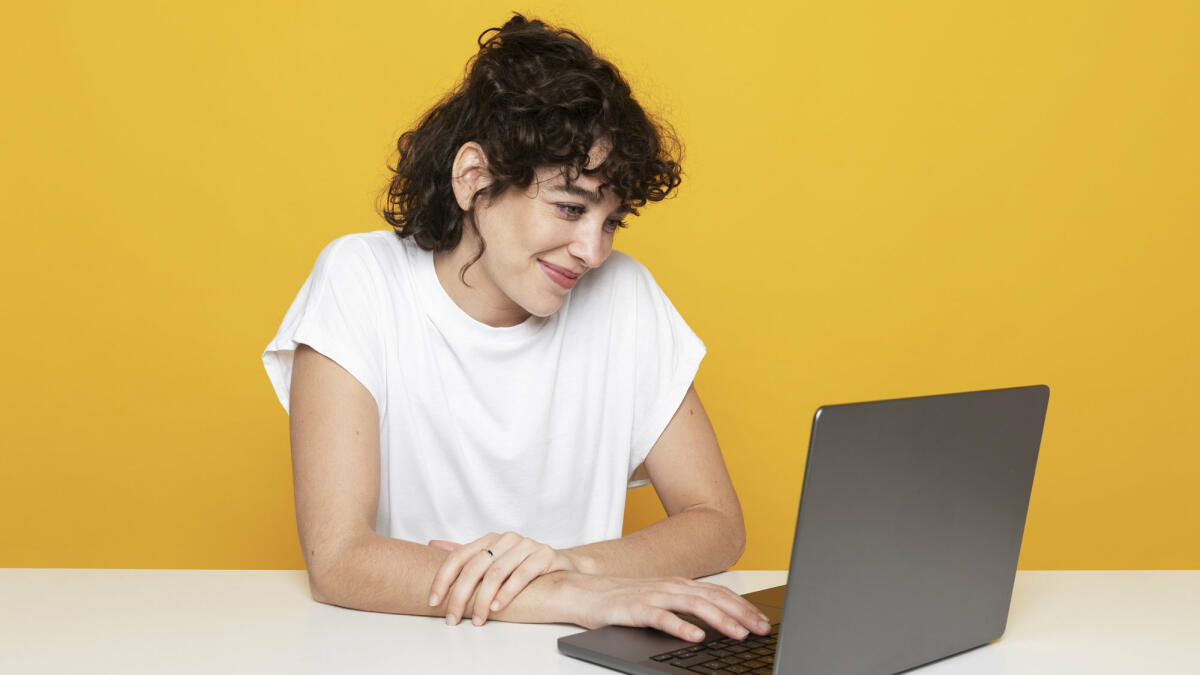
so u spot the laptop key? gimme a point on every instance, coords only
(761, 671)
(691, 661)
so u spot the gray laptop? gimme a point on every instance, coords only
(910, 524)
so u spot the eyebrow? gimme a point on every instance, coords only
(584, 193)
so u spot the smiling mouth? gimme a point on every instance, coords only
(565, 272)
(561, 280)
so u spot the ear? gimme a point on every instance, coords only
(469, 173)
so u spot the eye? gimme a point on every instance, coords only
(573, 211)
(567, 209)
(614, 224)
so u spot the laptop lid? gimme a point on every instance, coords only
(910, 525)
(905, 551)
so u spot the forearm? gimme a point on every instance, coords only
(382, 574)
(692, 543)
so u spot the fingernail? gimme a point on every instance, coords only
(742, 633)
(764, 626)
(451, 619)
(697, 634)
(433, 600)
(762, 617)
(496, 606)
(477, 621)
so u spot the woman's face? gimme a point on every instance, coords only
(540, 241)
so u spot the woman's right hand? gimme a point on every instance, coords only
(593, 601)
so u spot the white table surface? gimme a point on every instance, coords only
(264, 621)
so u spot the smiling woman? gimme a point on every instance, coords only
(531, 236)
(491, 365)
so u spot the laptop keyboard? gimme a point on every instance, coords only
(755, 654)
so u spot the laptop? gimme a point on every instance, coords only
(905, 552)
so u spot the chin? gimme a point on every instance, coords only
(545, 307)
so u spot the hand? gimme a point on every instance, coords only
(604, 601)
(477, 576)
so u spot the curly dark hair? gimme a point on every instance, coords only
(533, 96)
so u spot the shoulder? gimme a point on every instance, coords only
(362, 247)
(621, 272)
(378, 258)
(610, 283)
(624, 263)
(616, 290)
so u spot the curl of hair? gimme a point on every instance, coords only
(533, 96)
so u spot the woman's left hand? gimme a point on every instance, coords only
(514, 561)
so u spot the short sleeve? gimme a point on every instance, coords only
(668, 354)
(336, 313)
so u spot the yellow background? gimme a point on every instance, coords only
(879, 200)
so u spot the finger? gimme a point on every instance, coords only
(464, 586)
(706, 611)
(539, 561)
(729, 603)
(443, 545)
(737, 607)
(452, 566)
(500, 570)
(499, 546)
(668, 622)
(507, 541)
(534, 566)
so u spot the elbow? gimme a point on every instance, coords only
(317, 592)
(735, 529)
(328, 573)
(330, 584)
(731, 543)
(319, 586)
(327, 577)
(737, 538)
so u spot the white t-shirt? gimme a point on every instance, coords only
(534, 428)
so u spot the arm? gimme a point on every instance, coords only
(335, 462)
(334, 428)
(703, 533)
(381, 574)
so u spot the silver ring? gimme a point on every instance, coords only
(489, 552)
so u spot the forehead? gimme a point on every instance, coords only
(598, 152)
(588, 188)
(555, 181)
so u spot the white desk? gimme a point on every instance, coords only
(216, 621)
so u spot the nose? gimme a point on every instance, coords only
(591, 245)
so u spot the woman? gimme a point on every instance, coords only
(492, 366)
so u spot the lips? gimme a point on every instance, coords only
(561, 270)
(559, 278)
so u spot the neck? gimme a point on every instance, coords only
(482, 300)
